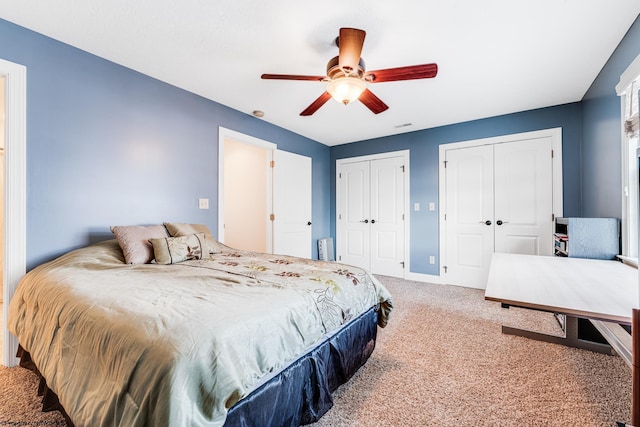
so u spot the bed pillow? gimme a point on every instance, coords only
(134, 241)
(177, 229)
(171, 250)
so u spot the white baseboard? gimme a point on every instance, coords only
(426, 278)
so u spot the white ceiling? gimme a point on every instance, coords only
(494, 56)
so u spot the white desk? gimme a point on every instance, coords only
(576, 287)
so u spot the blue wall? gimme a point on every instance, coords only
(109, 146)
(591, 153)
(602, 138)
(423, 146)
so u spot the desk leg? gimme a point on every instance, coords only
(570, 339)
(635, 370)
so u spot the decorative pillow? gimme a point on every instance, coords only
(177, 229)
(134, 241)
(171, 250)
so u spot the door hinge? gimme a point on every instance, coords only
(340, 175)
(272, 217)
(445, 163)
(403, 217)
(339, 257)
(445, 268)
(402, 168)
(402, 264)
(553, 217)
(272, 163)
(339, 216)
(445, 217)
(552, 154)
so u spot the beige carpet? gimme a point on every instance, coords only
(443, 361)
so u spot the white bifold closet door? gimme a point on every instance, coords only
(370, 217)
(499, 198)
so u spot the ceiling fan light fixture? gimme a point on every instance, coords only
(347, 77)
(346, 89)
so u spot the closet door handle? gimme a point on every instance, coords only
(487, 222)
(309, 223)
(373, 221)
(499, 222)
(366, 221)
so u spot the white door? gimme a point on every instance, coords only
(499, 199)
(370, 215)
(354, 214)
(387, 216)
(292, 204)
(469, 198)
(523, 197)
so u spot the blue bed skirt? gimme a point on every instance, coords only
(301, 393)
(298, 395)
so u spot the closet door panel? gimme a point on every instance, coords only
(387, 216)
(523, 197)
(355, 200)
(470, 239)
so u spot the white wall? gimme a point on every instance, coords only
(245, 196)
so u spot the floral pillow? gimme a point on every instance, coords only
(171, 250)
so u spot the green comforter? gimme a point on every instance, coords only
(178, 344)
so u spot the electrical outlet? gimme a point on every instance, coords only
(203, 203)
(432, 206)
(432, 259)
(416, 207)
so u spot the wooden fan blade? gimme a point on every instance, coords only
(372, 102)
(412, 72)
(350, 46)
(315, 105)
(291, 77)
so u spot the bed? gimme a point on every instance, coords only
(228, 338)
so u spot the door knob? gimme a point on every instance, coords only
(373, 221)
(487, 222)
(499, 222)
(366, 221)
(309, 223)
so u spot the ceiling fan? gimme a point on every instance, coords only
(347, 76)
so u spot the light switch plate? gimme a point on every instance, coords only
(203, 203)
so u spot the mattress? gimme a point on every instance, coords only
(178, 344)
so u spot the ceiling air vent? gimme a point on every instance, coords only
(404, 125)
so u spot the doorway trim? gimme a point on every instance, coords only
(15, 195)
(224, 133)
(557, 197)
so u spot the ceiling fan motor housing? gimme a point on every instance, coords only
(335, 72)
